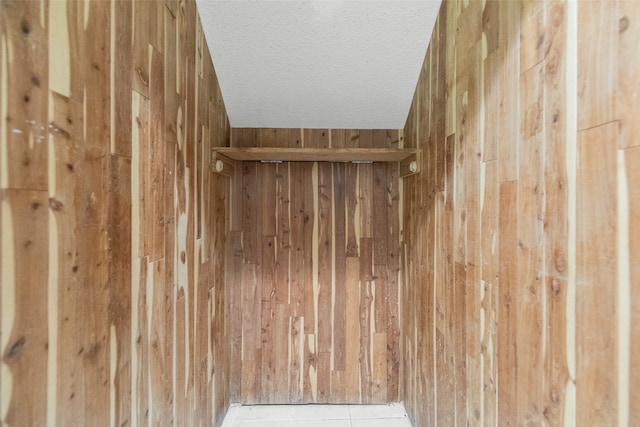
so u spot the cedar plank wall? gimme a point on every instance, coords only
(315, 314)
(113, 230)
(521, 252)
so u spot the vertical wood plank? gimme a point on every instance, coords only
(25, 260)
(296, 360)
(310, 381)
(285, 291)
(268, 325)
(532, 34)
(26, 83)
(93, 196)
(353, 334)
(281, 352)
(379, 221)
(632, 158)
(530, 255)
(140, 51)
(628, 68)
(379, 374)
(556, 221)
(156, 153)
(121, 72)
(597, 396)
(249, 212)
(507, 333)
(489, 301)
(119, 276)
(352, 210)
(596, 70)
(237, 356)
(509, 112)
(324, 297)
(366, 339)
(340, 284)
(298, 219)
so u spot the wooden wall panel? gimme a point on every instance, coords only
(522, 310)
(114, 307)
(317, 317)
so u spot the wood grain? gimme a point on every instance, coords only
(110, 328)
(497, 286)
(335, 283)
(597, 400)
(537, 157)
(632, 157)
(315, 154)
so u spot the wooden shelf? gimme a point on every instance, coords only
(271, 154)
(222, 157)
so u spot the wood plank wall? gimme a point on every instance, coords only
(520, 254)
(113, 302)
(315, 258)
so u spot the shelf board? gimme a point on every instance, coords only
(273, 154)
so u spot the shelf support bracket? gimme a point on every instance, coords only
(222, 164)
(411, 165)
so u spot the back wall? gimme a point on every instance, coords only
(315, 253)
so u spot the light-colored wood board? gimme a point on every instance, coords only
(596, 228)
(556, 218)
(597, 62)
(530, 256)
(627, 78)
(509, 112)
(533, 34)
(156, 153)
(309, 154)
(26, 82)
(25, 223)
(507, 316)
(464, 281)
(632, 158)
(140, 51)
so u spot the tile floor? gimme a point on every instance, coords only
(391, 415)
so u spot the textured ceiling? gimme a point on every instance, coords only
(318, 64)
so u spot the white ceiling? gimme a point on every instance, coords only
(318, 64)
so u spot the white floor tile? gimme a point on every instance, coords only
(321, 423)
(259, 423)
(321, 412)
(265, 412)
(381, 422)
(391, 415)
(393, 410)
